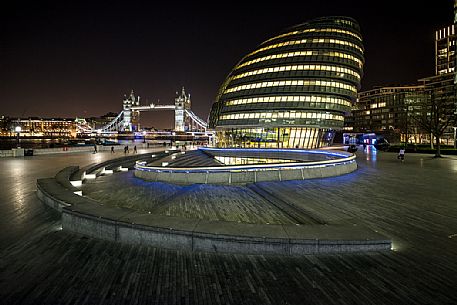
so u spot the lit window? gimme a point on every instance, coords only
(302, 53)
(334, 84)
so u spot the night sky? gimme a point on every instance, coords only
(79, 58)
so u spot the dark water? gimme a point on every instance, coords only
(8, 143)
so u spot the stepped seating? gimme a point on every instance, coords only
(195, 158)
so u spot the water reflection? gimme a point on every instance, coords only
(371, 153)
(17, 190)
(454, 165)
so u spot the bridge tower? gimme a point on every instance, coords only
(130, 120)
(182, 103)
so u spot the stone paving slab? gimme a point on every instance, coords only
(413, 202)
(242, 229)
(152, 220)
(56, 191)
(95, 209)
(127, 226)
(227, 203)
(333, 232)
(94, 219)
(194, 158)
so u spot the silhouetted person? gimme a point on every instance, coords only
(401, 154)
(95, 148)
(134, 149)
(112, 149)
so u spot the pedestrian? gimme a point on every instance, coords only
(125, 149)
(95, 148)
(134, 149)
(112, 149)
(401, 154)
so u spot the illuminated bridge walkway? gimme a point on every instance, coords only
(128, 118)
(413, 203)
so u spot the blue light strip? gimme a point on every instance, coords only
(266, 150)
(344, 158)
(237, 169)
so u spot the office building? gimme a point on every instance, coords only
(293, 90)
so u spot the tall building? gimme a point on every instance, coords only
(389, 112)
(443, 89)
(393, 112)
(445, 50)
(293, 90)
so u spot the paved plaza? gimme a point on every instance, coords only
(414, 203)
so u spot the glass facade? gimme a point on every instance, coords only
(445, 50)
(246, 160)
(294, 89)
(395, 112)
(390, 112)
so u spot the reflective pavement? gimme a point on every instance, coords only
(414, 202)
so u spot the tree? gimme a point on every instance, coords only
(436, 114)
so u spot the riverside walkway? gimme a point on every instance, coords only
(414, 203)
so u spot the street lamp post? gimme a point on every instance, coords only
(18, 130)
(455, 142)
(406, 136)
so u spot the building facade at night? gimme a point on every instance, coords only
(390, 112)
(294, 89)
(39, 127)
(445, 50)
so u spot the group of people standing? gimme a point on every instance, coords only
(126, 149)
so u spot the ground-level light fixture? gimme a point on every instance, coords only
(18, 130)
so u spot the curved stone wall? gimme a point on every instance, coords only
(86, 216)
(339, 163)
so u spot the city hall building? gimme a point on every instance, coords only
(294, 89)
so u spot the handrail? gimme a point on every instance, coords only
(246, 167)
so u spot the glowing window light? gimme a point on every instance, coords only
(324, 30)
(298, 68)
(304, 41)
(293, 83)
(282, 114)
(302, 53)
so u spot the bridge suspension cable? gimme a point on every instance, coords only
(125, 120)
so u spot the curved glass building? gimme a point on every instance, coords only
(293, 90)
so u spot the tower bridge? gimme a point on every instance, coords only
(128, 119)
